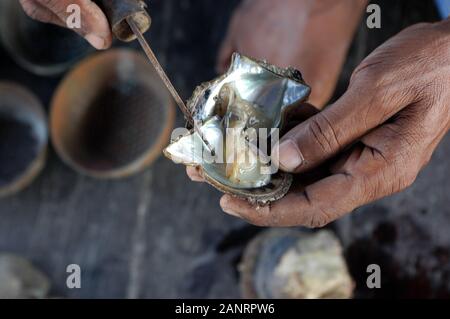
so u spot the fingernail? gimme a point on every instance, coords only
(226, 207)
(290, 157)
(96, 41)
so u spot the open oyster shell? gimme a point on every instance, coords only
(231, 112)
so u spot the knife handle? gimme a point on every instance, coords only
(117, 12)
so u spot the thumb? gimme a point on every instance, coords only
(329, 132)
(94, 24)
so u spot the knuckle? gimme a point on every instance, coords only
(399, 170)
(323, 133)
(369, 189)
(402, 183)
(31, 10)
(318, 219)
(380, 98)
(369, 71)
(403, 174)
(407, 177)
(378, 78)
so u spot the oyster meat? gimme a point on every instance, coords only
(238, 116)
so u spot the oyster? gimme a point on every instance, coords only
(236, 115)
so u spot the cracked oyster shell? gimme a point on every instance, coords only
(229, 112)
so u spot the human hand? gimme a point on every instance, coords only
(378, 135)
(94, 24)
(313, 36)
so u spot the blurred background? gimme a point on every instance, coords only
(158, 235)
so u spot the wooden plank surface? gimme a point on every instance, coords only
(156, 234)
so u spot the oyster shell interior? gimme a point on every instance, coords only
(236, 114)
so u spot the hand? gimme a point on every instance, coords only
(94, 24)
(379, 135)
(313, 36)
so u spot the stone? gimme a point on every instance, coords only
(295, 264)
(19, 279)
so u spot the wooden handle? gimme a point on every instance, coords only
(118, 11)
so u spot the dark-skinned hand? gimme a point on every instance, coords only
(94, 24)
(312, 36)
(379, 135)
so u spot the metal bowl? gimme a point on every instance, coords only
(41, 48)
(23, 138)
(111, 116)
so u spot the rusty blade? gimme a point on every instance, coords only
(159, 69)
(154, 60)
